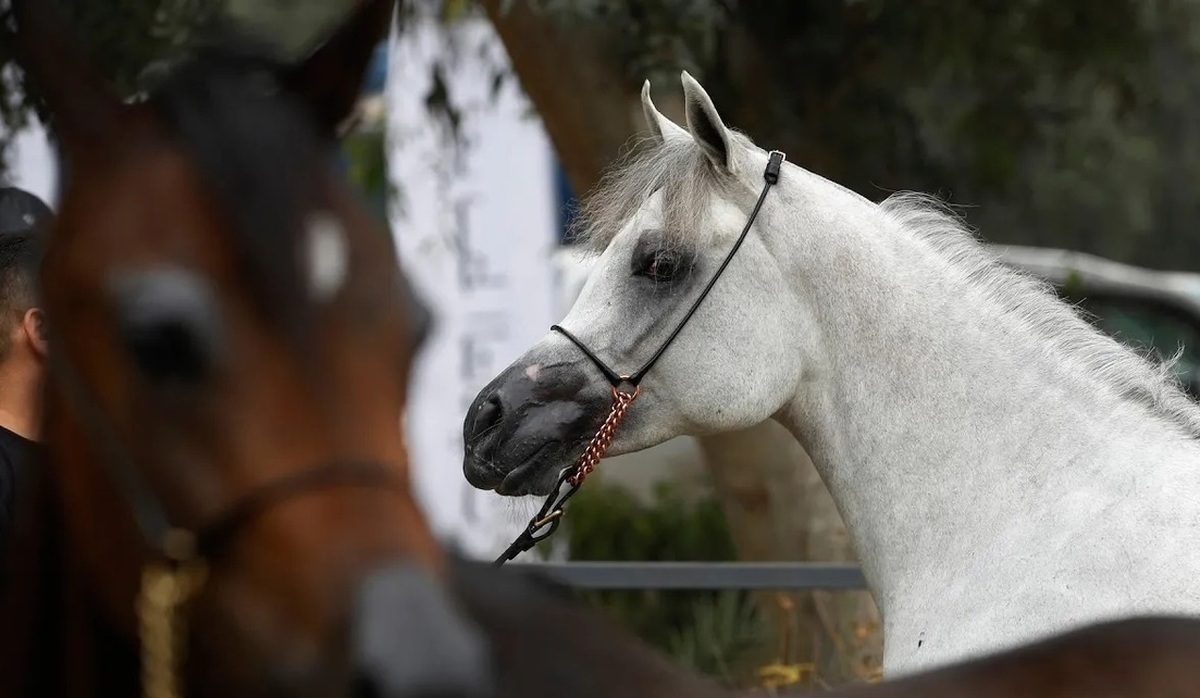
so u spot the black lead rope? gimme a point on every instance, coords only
(550, 516)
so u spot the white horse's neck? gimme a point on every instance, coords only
(958, 440)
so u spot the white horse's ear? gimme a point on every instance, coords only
(661, 128)
(706, 126)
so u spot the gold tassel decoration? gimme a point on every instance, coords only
(166, 587)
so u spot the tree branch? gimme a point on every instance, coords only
(586, 101)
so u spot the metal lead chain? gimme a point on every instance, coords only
(166, 587)
(603, 438)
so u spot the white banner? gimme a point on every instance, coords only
(475, 230)
(32, 165)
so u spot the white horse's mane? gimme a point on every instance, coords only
(1140, 379)
(679, 169)
(675, 166)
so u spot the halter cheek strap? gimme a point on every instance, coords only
(625, 389)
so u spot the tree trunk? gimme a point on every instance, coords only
(586, 102)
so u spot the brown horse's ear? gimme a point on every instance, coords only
(83, 107)
(331, 78)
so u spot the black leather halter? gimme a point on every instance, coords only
(552, 510)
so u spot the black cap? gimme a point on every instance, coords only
(21, 211)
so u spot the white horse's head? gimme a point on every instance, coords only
(665, 221)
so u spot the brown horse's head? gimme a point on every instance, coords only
(230, 338)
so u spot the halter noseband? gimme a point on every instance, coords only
(179, 566)
(625, 389)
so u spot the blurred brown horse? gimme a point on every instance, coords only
(230, 344)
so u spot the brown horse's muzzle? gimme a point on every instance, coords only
(409, 641)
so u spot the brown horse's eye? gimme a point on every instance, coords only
(169, 324)
(659, 266)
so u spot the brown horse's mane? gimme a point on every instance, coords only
(258, 152)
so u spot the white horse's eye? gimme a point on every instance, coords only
(660, 265)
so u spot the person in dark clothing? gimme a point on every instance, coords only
(22, 346)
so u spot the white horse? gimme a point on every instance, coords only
(1005, 470)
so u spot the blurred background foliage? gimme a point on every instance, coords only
(1058, 122)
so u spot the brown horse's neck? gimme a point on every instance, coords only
(52, 639)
